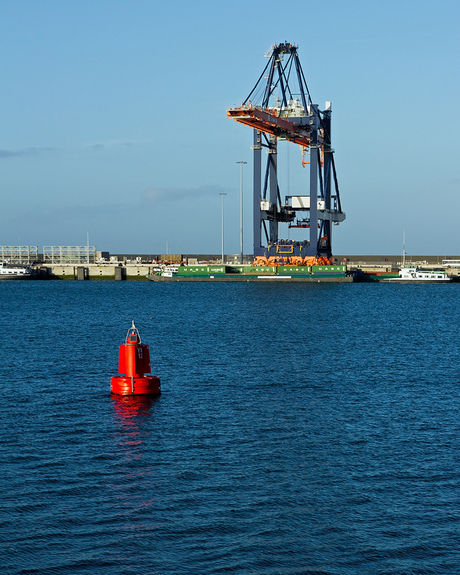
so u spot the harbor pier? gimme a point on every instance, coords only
(140, 267)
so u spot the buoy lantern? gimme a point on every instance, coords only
(133, 364)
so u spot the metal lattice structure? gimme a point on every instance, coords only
(282, 109)
(69, 254)
(19, 254)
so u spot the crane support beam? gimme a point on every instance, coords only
(257, 188)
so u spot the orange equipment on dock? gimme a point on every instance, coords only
(291, 261)
(133, 364)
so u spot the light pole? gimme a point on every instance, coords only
(222, 194)
(241, 209)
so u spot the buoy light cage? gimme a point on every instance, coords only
(133, 364)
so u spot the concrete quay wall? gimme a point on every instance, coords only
(95, 272)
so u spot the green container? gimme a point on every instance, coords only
(294, 270)
(332, 269)
(192, 270)
(212, 270)
(263, 270)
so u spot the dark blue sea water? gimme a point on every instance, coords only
(302, 429)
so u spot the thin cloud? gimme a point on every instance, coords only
(114, 144)
(350, 40)
(47, 216)
(4, 154)
(155, 195)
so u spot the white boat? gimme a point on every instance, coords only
(164, 271)
(14, 273)
(413, 274)
(169, 272)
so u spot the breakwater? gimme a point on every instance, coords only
(366, 269)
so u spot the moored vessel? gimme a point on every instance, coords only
(414, 274)
(264, 273)
(15, 273)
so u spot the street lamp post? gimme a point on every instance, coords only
(241, 209)
(222, 194)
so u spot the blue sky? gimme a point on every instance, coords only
(113, 120)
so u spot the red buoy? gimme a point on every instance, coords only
(133, 364)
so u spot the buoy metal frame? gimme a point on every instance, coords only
(133, 364)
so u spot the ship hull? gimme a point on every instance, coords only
(266, 274)
(15, 277)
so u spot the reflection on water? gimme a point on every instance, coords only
(130, 412)
(135, 481)
(128, 407)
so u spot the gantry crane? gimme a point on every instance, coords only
(285, 112)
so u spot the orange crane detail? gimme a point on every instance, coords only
(268, 121)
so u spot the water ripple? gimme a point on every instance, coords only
(301, 430)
